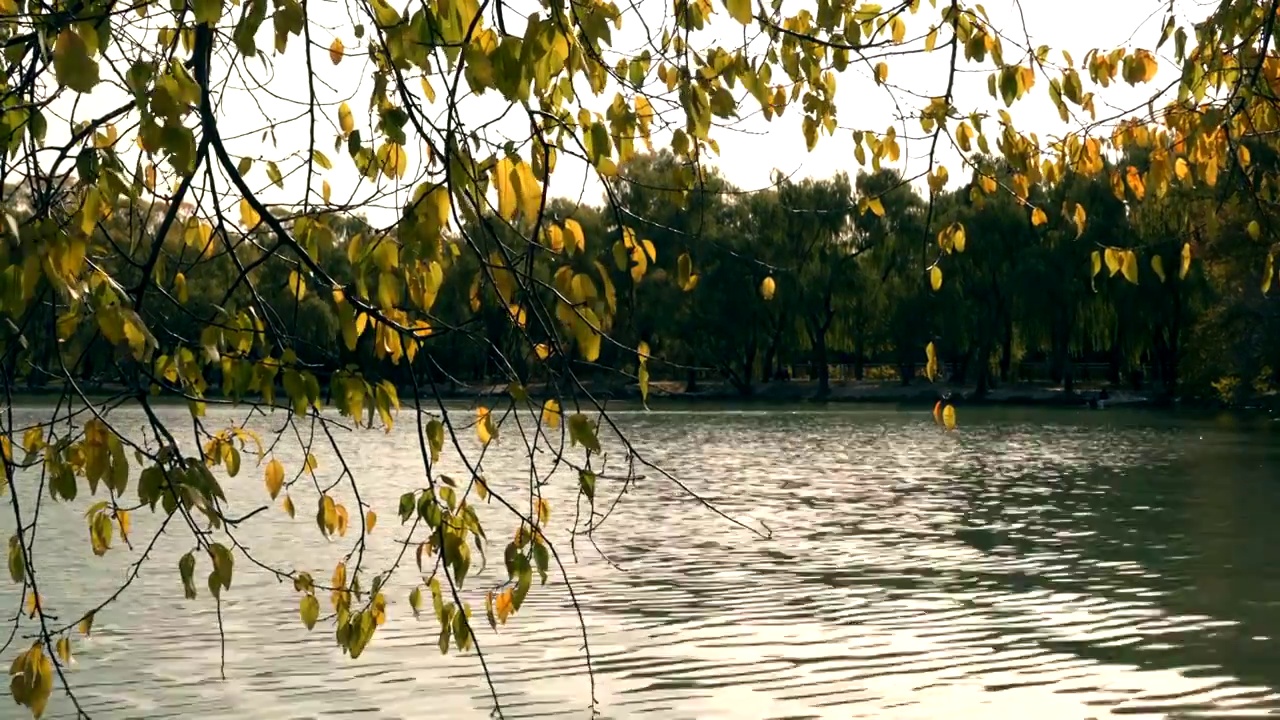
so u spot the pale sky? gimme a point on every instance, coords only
(749, 152)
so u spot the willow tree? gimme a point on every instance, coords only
(245, 146)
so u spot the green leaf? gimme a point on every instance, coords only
(437, 598)
(587, 483)
(542, 559)
(583, 432)
(72, 64)
(462, 628)
(524, 580)
(309, 610)
(273, 172)
(739, 10)
(208, 12)
(415, 600)
(17, 561)
(435, 438)
(187, 568)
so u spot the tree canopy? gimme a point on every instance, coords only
(351, 208)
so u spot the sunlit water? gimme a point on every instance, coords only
(1033, 564)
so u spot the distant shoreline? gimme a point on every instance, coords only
(784, 392)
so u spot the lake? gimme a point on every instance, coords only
(1078, 564)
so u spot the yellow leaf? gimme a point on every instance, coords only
(555, 238)
(180, 287)
(288, 506)
(504, 185)
(342, 520)
(123, 520)
(1254, 229)
(370, 520)
(64, 649)
(1180, 169)
(528, 190)
(1267, 274)
(1157, 266)
(1080, 218)
(107, 138)
(949, 417)
(577, 241)
(325, 191)
(882, 73)
(1186, 261)
(503, 605)
(958, 237)
(248, 216)
(931, 366)
(542, 350)
(875, 206)
(1021, 186)
(335, 51)
(484, 426)
(297, 286)
(392, 160)
(551, 413)
(767, 288)
(1038, 217)
(935, 278)
(346, 121)
(1117, 185)
(1130, 267)
(739, 10)
(1134, 180)
(274, 477)
(1115, 260)
(1095, 262)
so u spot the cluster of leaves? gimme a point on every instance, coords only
(138, 253)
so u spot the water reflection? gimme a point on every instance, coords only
(1081, 564)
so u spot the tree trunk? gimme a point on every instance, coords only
(1175, 346)
(1113, 366)
(961, 374)
(772, 361)
(1056, 356)
(984, 371)
(860, 353)
(820, 362)
(1006, 350)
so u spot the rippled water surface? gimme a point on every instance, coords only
(1032, 564)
